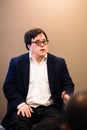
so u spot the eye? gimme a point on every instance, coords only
(39, 43)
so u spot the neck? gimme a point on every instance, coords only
(39, 59)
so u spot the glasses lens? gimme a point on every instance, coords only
(39, 43)
(44, 42)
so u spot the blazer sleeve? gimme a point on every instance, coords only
(10, 87)
(68, 84)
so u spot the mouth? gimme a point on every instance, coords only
(42, 50)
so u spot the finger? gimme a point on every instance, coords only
(28, 113)
(23, 113)
(31, 110)
(18, 113)
(63, 93)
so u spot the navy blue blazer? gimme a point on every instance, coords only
(17, 81)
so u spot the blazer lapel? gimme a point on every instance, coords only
(26, 71)
(51, 70)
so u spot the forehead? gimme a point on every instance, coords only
(39, 36)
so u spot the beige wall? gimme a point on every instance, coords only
(65, 22)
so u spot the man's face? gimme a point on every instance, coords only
(39, 46)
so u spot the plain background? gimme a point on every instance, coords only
(64, 21)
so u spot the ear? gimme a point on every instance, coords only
(29, 46)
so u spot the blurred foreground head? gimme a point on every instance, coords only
(76, 111)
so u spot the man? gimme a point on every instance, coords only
(76, 112)
(36, 86)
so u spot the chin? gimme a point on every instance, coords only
(42, 55)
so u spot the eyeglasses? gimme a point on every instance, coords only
(39, 43)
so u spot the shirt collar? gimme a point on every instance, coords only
(31, 58)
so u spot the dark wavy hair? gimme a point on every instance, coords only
(32, 34)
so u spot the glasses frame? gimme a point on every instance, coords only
(39, 43)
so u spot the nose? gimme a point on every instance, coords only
(41, 44)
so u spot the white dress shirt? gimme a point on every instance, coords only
(39, 90)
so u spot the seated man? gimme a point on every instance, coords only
(76, 112)
(36, 85)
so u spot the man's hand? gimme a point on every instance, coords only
(25, 110)
(65, 97)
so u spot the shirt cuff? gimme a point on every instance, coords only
(20, 105)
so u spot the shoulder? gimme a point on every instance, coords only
(20, 58)
(55, 58)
